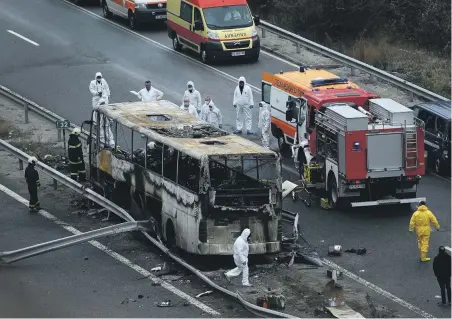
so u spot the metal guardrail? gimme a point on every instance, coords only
(348, 61)
(93, 196)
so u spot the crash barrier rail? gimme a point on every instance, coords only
(35, 250)
(354, 64)
(110, 206)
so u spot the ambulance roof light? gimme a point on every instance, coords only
(324, 82)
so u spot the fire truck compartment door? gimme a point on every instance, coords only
(384, 154)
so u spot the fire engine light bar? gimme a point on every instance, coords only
(391, 201)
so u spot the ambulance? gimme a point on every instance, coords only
(136, 11)
(214, 29)
(318, 87)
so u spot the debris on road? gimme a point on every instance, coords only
(359, 251)
(85, 258)
(338, 274)
(208, 292)
(156, 268)
(335, 250)
(140, 296)
(126, 301)
(166, 303)
(170, 277)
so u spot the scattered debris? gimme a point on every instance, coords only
(156, 268)
(208, 292)
(438, 297)
(126, 301)
(166, 303)
(333, 294)
(140, 296)
(186, 304)
(156, 284)
(86, 258)
(272, 300)
(338, 274)
(359, 251)
(335, 250)
(362, 270)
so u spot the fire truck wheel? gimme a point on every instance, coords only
(332, 192)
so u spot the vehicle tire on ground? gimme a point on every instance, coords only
(133, 24)
(254, 58)
(333, 196)
(439, 167)
(106, 11)
(204, 56)
(176, 44)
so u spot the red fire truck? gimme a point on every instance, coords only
(361, 158)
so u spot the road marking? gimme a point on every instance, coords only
(378, 289)
(279, 59)
(162, 46)
(441, 177)
(23, 38)
(115, 255)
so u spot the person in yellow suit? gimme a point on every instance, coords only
(421, 220)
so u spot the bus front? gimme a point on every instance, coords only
(244, 191)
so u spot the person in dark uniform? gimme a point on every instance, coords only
(32, 178)
(76, 161)
(441, 268)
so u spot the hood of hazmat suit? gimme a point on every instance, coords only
(194, 96)
(241, 248)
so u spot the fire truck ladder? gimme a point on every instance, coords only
(411, 156)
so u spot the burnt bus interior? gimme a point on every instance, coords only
(239, 181)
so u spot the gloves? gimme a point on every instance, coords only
(99, 94)
(251, 106)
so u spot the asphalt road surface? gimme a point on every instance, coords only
(70, 46)
(63, 284)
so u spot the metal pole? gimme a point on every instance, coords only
(372, 78)
(298, 47)
(21, 165)
(55, 184)
(264, 33)
(410, 96)
(26, 112)
(352, 71)
(64, 143)
(59, 135)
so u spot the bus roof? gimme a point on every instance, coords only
(165, 122)
(354, 95)
(314, 79)
(216, 3)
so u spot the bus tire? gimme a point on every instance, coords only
(106, 11)
(170, 234)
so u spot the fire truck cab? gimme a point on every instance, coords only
(361, 158)
(318, 87)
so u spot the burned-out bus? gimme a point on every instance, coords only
(199, 184)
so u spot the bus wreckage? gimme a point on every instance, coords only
(199, 185)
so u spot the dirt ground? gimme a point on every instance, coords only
(301, 284)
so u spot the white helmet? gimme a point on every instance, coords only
(76, 131)
(32, 160)
(151, 145)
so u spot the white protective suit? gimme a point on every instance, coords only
(243, 102)
(241, 250)
(213, 116)
(194, 97)
(191, 109)
(96, 87)
(265, 123)
(152, 95)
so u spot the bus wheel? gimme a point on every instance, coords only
(170, 234)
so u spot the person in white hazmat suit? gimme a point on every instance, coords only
(243, 103)
(211, 114)
(265, 123)
(194, 96)
(149, 94)
(189, 107)
(241, 250)
(101, 92)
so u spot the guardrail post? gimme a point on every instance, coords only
(59, 135)
(410, 96)
(352, 71)
(298, 47)
(55, 184)
(26, 112)
(264, 33)
(371, 78)
(21, 165)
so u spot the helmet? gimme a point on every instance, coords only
(32, 160)
(76, 131)
(151, 145)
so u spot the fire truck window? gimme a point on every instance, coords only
(154, 157)
(266, 88)
(186, 12)
(170, 156)
(311, 117)
(430, 124)
(188, 174)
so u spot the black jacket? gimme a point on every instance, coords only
(441, 265)
(75, 151)
(32, 176)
